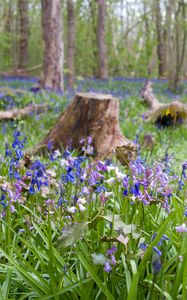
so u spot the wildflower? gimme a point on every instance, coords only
(164, 237)
(111, 250)
(181, 228)
(184, 167)
(81, 207)
(38, 175)
(85, 190)
(156, 263)
(157, 251)
(143, 246)
(180, 258)
(110, 180)
(107, 267)
(72, 209)
(50, 202)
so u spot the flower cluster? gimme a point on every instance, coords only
(38, 176)
(15, 153)
(107, 260)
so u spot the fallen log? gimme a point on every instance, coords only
(20, 113)
(162, 114)
(90, 115)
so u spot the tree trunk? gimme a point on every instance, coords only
(71, 43)
(177, 43)
(161, 48)
(89, 115)
(53, 45)
(24, 34)
(93, 21)
(103, 70)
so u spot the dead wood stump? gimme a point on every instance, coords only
(162, 114)
(89, 114)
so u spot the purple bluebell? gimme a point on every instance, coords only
(156, 264)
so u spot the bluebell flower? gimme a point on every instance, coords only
(157, 251)
(156, 264)
(125, 193)
(38, 176)
(143, 246)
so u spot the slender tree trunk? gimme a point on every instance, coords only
(71, 43)
(53, 45)
(161, 49)
(103, 70)
(24, 34)
(177, 44)
(92, 6)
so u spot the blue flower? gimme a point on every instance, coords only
(156, 264)
(157, 251)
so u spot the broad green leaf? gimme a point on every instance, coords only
(71, 234)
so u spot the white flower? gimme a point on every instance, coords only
(110, 180)
(56, 154)
(72, 209)
(63, 163)
(110, 168)
(51, 172)
(119, 175)
(82, 207)
(81, 200)
(109, 194)
(181, 228)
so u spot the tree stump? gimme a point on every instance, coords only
(163, 114)
(89, 115)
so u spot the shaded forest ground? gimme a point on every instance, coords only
(18, 92)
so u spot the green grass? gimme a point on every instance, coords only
(47, 251)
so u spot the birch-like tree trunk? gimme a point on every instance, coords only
(102, 51)
(24, 34)
(71, 43)
(53, 45)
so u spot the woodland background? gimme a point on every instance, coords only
(143, 38)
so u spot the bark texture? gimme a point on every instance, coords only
(94, 115)
(161, 45)
(162, 114)
(16, 113)
(71, 43)
(102, 51)
(24, 34)
(53, 45)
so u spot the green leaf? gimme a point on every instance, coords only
(160, 232)
(88, 266)
(71, 234)
(134, 288)
(127, 273)
(121, 226)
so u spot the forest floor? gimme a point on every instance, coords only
(131, 109)
(79, 229)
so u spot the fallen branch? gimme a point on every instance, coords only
(165, 114)
(16, 113)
